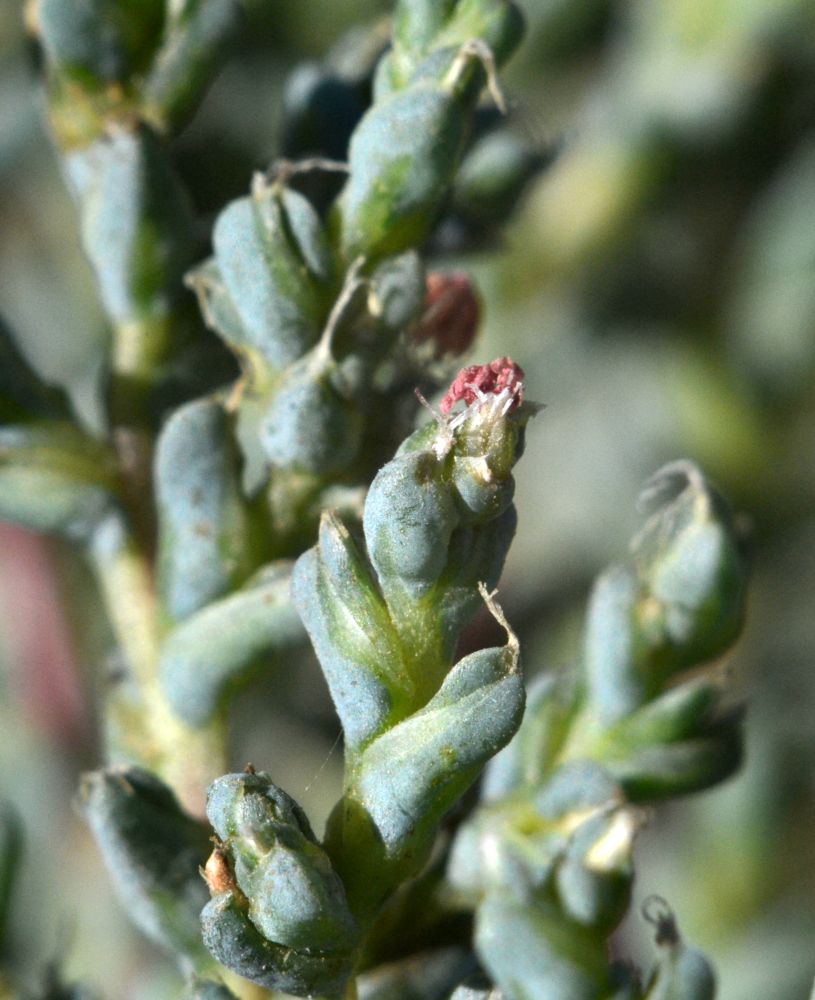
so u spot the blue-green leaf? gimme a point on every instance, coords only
(153, 852)
(205, 527)
(215, 651)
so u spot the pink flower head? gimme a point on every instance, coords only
(501, 379)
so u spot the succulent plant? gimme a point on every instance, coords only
(261, 484)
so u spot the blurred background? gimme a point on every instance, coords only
(658, 286)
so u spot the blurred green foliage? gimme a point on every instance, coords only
(659, 289)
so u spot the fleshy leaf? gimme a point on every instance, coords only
(211, 654)
(153, 851)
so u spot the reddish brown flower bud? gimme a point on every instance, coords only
(217, 874)
(451, 314)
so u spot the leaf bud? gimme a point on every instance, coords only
(681, 605)
(275, 264)
(278, 915)
(688, 558)
(517, 845)
(411, 512)
(295, 898)
(309, 426)
(402, 158)
(417, 22)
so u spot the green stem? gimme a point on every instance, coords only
(139, 348)
(144, 729)
(187, 759)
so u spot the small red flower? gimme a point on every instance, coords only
(502, 376)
